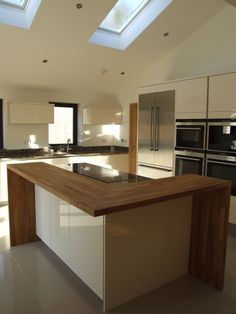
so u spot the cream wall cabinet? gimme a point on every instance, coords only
(27, 113)
(222, 96)
(162, 87)
(191, 99)
(102, 116)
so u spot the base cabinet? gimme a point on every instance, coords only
(76, 237)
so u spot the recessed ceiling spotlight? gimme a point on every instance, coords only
(166, 34)
(103, 71)
(122, 73)
(79, 6)
(45, 60)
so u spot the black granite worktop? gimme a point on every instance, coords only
(74, 150)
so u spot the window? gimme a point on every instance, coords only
(65, 124)
(126, 21)
(19, 13)
(18, 4)
(122, 14)
(1, 124)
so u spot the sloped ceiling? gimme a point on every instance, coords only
(60, 33)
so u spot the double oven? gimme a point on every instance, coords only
(221, 150)
(190, 146)
(207, 147)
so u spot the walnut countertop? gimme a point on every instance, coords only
(97, 198)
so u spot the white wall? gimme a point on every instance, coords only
(15, 136)
(210, 50)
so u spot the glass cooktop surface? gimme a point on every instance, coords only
(106, 175)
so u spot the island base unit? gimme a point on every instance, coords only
(126, 253)
(119, 256)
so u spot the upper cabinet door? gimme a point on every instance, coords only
(222, 96)
(27, 113)
(101, 116)
(191, 99)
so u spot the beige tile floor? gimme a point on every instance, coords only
(33, 280)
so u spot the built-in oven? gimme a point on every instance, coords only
(190, 134)
(222, 167)
(189, 162)
(221, 136)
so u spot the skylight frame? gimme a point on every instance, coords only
(17, 17)
(133, 16)
(135, 28)
(11, 5)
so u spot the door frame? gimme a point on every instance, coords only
(133, 137)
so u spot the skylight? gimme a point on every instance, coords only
(122, 14)
(19, 4)
(126, 21)
(19, 13)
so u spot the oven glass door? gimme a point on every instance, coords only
(185, 165)
(222, 137)
(188, 136)
(222, 170)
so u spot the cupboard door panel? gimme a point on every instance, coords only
(86, 248)
(43, 220)
(191, 97)
(222, 93)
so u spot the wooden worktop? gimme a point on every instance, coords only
(97, 198)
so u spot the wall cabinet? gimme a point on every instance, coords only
(26, 113)
(191, 99)
(102, 116)
(222, 96)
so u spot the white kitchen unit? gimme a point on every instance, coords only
(161, 87)
(191, 99)
(43, 219)
(30, 113)
(102, 116)
(86, 248)
(222, 96)
(153, 173)
(99, 251)
(76, 237)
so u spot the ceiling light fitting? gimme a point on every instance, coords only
(79, 6)
(166, 34)
(45, 60)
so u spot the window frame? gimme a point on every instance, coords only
(1, 123)
(75, 122)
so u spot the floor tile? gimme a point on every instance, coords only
(16, 296)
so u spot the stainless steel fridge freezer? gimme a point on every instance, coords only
(156, 129)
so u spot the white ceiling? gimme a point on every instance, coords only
(60, 33)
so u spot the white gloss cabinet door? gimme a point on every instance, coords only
(43, 219)
(222, 96)
(191, 99)
(86, 248)
(60, 228)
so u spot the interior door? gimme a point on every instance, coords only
(146, 128)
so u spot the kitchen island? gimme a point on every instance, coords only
(123, 240)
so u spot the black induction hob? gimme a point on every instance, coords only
(106, 175)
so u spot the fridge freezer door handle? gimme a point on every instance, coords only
(157, 122)
(151, 128)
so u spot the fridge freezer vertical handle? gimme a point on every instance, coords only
(157, 123)
(151, 143)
